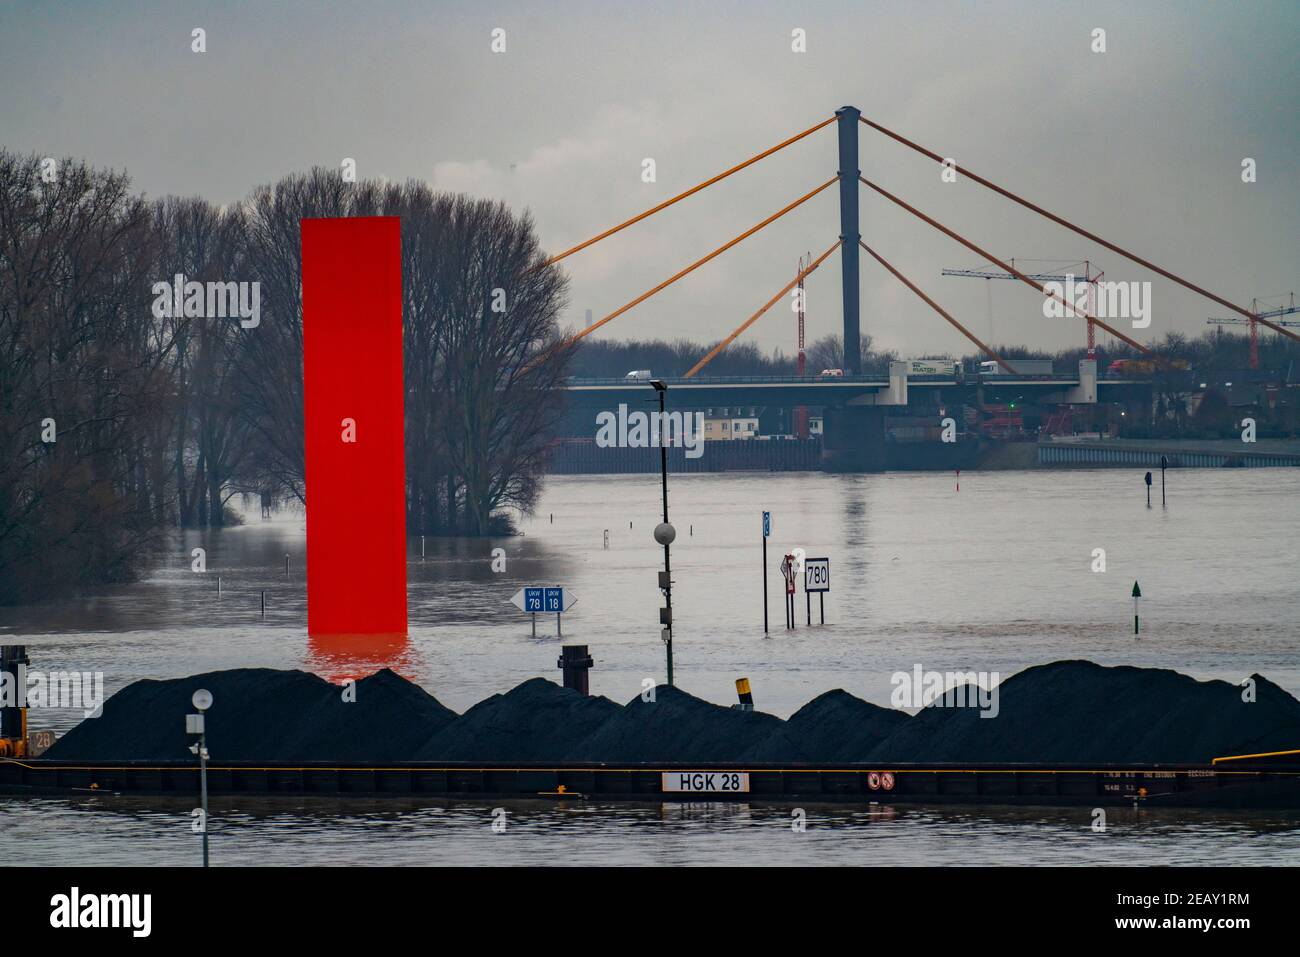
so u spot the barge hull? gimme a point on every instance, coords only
(1095, 786)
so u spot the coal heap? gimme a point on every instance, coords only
(260, 714)
(675, 727)
(388, 721)
(1072, 712)
(535, 722)
(833, 728)
(1081, 712)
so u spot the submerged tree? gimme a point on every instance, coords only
(78, 379)
(479, 317)
(497, 330)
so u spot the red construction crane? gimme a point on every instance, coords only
(801, 412)
(984, 272)
(1254, 326)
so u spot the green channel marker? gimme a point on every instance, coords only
(1137, 593)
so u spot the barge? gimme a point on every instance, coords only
(1243, 781)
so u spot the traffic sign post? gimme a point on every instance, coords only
(787, 571)
(767, 530)
(816, 578)
(554, 600)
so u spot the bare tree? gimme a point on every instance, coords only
(202, 244)
(499, 333)
(828, 353)
(76, 377)
(479, 366)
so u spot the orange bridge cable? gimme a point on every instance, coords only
(690, 192)
(937, 308)
(755, 317)
(1080, 230)
(1007, 266)
(695, 265)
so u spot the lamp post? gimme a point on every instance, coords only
(664, 535)
(195, 724)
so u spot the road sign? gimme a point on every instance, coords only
(787, 571)
(537, 599)
(816, 574)
(767, 524)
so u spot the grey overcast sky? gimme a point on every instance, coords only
(1143, 143)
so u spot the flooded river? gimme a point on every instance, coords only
(994, 577)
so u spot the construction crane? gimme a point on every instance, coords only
(986, 272)
(801, 412)
(1254, 326)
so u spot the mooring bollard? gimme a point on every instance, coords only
(607, 538)
(575, 663)
(744, 694)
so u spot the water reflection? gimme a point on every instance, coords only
(341, 831)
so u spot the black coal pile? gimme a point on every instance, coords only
(675, 727)
(260, 714)
(834, 727)
(388, 720)
(1064, 712)
(1081, 712)
(535, 722)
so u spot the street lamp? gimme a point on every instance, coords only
(195, 724)
(664, 534)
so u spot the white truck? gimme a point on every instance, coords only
(638, 374)
(945, 367)
(1022, 367)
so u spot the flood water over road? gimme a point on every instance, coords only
(995, 577)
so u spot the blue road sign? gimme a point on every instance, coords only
(767, 524)
(535, 599)
(554, 599)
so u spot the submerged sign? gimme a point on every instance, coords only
(816, 574)
(543, 600)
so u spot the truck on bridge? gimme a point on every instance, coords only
(1026, 367)
(945, 367)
